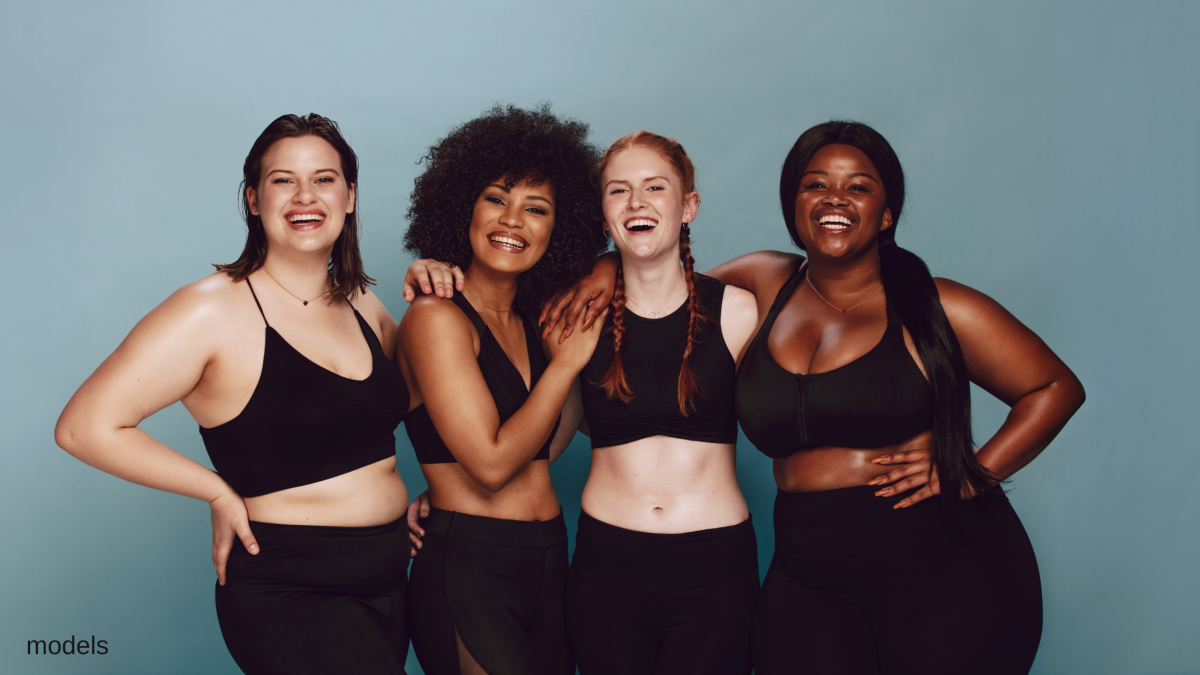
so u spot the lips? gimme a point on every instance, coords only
(507, 241)
(305, 220)
(640, 225)
(834, 221)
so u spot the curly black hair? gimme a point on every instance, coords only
(517, 145)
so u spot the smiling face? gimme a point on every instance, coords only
(645, 203)
(302, 197)
(511, 227)
(841, 206)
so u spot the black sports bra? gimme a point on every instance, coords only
(879, 399)
(304, 424)
(502, 378)
(651, 361)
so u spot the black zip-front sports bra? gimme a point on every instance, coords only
(305, 424)
(879, 399)
(651, 361)
(502, 378)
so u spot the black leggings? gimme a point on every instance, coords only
(317, 600)
(499, 584)
(642, 603)
(857, 588)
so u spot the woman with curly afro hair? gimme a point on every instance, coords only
(507, 198)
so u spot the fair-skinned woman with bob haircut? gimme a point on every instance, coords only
(896, 548)
(282, 357)
(507, 199)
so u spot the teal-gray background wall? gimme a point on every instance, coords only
(1051, 149)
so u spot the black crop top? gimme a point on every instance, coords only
(879, 399)
(304, 424)
(502, 378)
(651, 361)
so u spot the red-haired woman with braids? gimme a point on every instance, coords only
(665, 570)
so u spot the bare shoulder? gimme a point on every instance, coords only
(214, 298)
(739, 305)
(429, 314)
(965, 306)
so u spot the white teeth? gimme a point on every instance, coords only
(500, 239)
(305, 217)
(640, 222)
(834, 220)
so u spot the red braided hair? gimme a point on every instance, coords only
(613, 383)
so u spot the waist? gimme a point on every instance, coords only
(528, 496)
(496, 531)
(339, 559)
(648, 557)
(853, 521)
(833, 468)
(665, 485)
(368, 496)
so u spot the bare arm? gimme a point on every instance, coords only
(1011, 362)
(572, 418)
(439, 345)
(157, 364)
(756, 272)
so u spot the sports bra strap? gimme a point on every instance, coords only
(260, 309)
(465, 305)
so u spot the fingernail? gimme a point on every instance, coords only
(901, 505)
(885, 492)
(877, 481)
(881, 459)
(253, 548)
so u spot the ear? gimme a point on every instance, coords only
(691, 205)
(887, 220)
(252, 200)
(353, 192)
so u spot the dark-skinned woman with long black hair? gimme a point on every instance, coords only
(896, 548)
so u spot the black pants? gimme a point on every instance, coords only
(499, 584)
(643, 603)
(317, 600)
(857, 588)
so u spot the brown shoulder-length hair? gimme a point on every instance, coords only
(346, 276)
(613, 383)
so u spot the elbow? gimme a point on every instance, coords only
(490, 478)
(67, 436)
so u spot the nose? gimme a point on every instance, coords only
(835, 197)
(636, 200)
(304, 193)
(513, 215)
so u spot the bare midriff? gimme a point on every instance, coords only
(831, 468)
(372, 495)
(665, 485)
(529, 496)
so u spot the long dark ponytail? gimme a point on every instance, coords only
(912, 292)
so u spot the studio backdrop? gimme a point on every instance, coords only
(1051, 150)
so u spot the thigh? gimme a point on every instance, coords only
(289, 630)
(547, 627)
(963, 608)
(799, 629)
(608, 624)
(709, 627)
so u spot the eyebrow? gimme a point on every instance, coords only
(506, 190)
(335, 171)
(853, 175)
(644, 180)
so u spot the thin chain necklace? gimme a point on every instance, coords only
(843, 311)
(487, 306)
(285, 290)
(654, 315)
